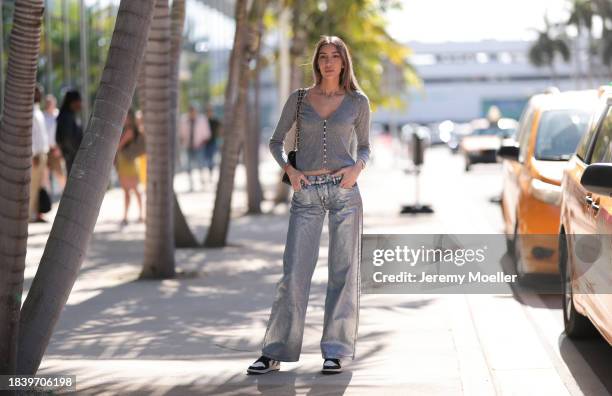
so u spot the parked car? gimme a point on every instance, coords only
(585, 236)
(548, 133)
(482, 144)
(458, 133)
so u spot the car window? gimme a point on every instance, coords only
(559, 132)
(602, 150)
(524, 134)
(585, 142)
(583, 145)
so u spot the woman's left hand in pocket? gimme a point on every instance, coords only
(349, 175)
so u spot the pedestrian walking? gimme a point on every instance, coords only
(40, 148)
(328, 115)
(127, 168)
(211, 146)
(69, 133)
(55, 161)
(195, 132)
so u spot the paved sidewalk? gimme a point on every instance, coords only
(198, 333)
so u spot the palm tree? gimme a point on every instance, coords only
(140, 88)
(15, 166)
(581, 17)
(233, 121)
(544, 50)
(183, 236)
(231, 89)
(177, 22)
(80, 205)
(603, 8)
(607, 48)
(253, 133)
(159, 235)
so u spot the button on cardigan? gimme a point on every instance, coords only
(325, 143)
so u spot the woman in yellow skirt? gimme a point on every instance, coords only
(127, 168)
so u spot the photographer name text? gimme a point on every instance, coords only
(459, 279)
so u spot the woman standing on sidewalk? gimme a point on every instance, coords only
(331, 113)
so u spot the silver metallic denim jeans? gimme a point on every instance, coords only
(283, 339)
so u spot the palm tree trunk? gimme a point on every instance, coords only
(140, 87)
(177, 22)
(251, 153)
(298, 49)
(183, 237)
(81, 200)
(159, 236)
(67, 73)
(578, 61)
(590, 57)
(298, 46)
(231, 89)
(15, 167)
(253, 134)
(233, 121)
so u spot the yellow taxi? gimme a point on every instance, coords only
(585, 240)
(549, 131)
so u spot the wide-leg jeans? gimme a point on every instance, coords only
(283, 339)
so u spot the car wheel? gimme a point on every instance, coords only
(509, 246)
(509, 241)
(576, 325)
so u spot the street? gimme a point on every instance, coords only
(198, 333)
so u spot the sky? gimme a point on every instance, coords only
(472, 20)
(421, 20)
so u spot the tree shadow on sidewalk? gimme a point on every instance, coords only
(217, 314)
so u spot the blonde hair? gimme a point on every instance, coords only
(348, 81)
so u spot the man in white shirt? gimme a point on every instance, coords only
(40, 148)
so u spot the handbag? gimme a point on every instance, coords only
(291, 157)
(135, 148)
(44, 201)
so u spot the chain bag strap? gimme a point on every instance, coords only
(292, 154)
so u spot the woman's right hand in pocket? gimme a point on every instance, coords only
(296, 177)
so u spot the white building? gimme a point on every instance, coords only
(462, 80)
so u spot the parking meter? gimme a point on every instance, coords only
(418, 144)
(417, 147)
